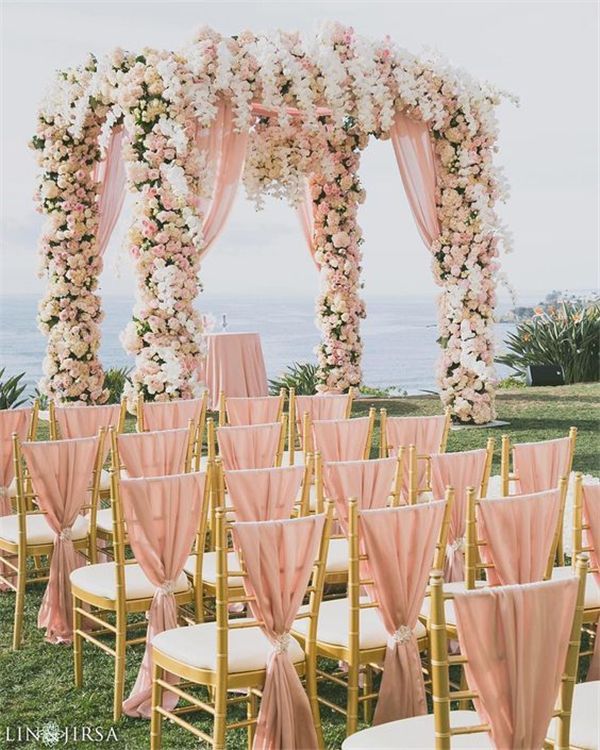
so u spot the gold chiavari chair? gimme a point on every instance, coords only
(446, 727)
(413, 457)
(350, 631)
(55, 432)
(225, 419)
(106, 594)
(101, 516)
(591, 605)
(296, 448)
(229, 654)
(27, 535)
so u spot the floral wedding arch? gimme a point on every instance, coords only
(289, 117)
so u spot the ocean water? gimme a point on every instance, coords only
(399, 334)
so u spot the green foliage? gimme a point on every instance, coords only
(11, 390)
(389, 391)
(567, 335)
(115, 379)
(41, 398)
(302, 376)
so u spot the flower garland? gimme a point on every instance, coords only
(70, 313)
(363, 84)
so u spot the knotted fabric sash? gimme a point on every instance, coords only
(400, 547)
(279, 556)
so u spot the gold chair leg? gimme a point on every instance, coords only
(220, 716)
(352, 706)
(119, 667)
(156, 717)
(19, 605)
(312, 687)
(367, 689)
(251, 713)
(77, 646)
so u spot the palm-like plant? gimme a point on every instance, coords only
(301, 376)
(567, 335)
(11, 390)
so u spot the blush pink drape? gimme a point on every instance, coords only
(321, 407)
(264, 494)
(400, 546)
(279, 556)
(341, 439)
(153, 454)
(171, 415)
(515, 639)
(258, 410)
(11, 421)
(370, 482)
(459, 471)
(85, 421)
(110, 173)
(425, 433)
(225, 152)
(518, 532)
(250, 447)
(304, 212)
(61, 475)
(539, 466)
(413, 148)
(591, 516)
(162, 515)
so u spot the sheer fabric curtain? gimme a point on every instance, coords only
(414, 153)
(225, 154)
(110, 173)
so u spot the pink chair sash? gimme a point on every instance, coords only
(368, 481)
(400, 547)
(85, 421)
(458, 470)
(250, 447)
(279, 556)
(161, 514)
(539, 466)
(515, 639)
(257, 410)
(153, 454)
(171, 415)
(591, 516)
(264, 494)
(320, 407)
(518, 531)
(11, 420)
(61, 473)
(341, 439)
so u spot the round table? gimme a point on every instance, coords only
(235, 365)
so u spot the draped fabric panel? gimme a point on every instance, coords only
(225, 152)
(110, 173)
(411, 140)
(304, 212)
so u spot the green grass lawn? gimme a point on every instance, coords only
(36, 683)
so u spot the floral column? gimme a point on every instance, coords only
(337, 241)
(165, 334)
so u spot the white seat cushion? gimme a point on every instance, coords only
(105, 479)
(100, 580)
(196, 646)
(417, 733)
(585, 721)
(209, 568)
(38, 530)
(333, 622)
(12, 488)
(337, 556)
(449, 588)
(298, 458)
(592, 590)
(104, 520)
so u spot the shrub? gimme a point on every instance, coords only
(115, 379)
(11, 390)
(566, 335)
(41, 398)
(302, 376)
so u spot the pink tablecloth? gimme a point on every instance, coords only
(235, 365)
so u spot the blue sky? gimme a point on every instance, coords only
(544, 52)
